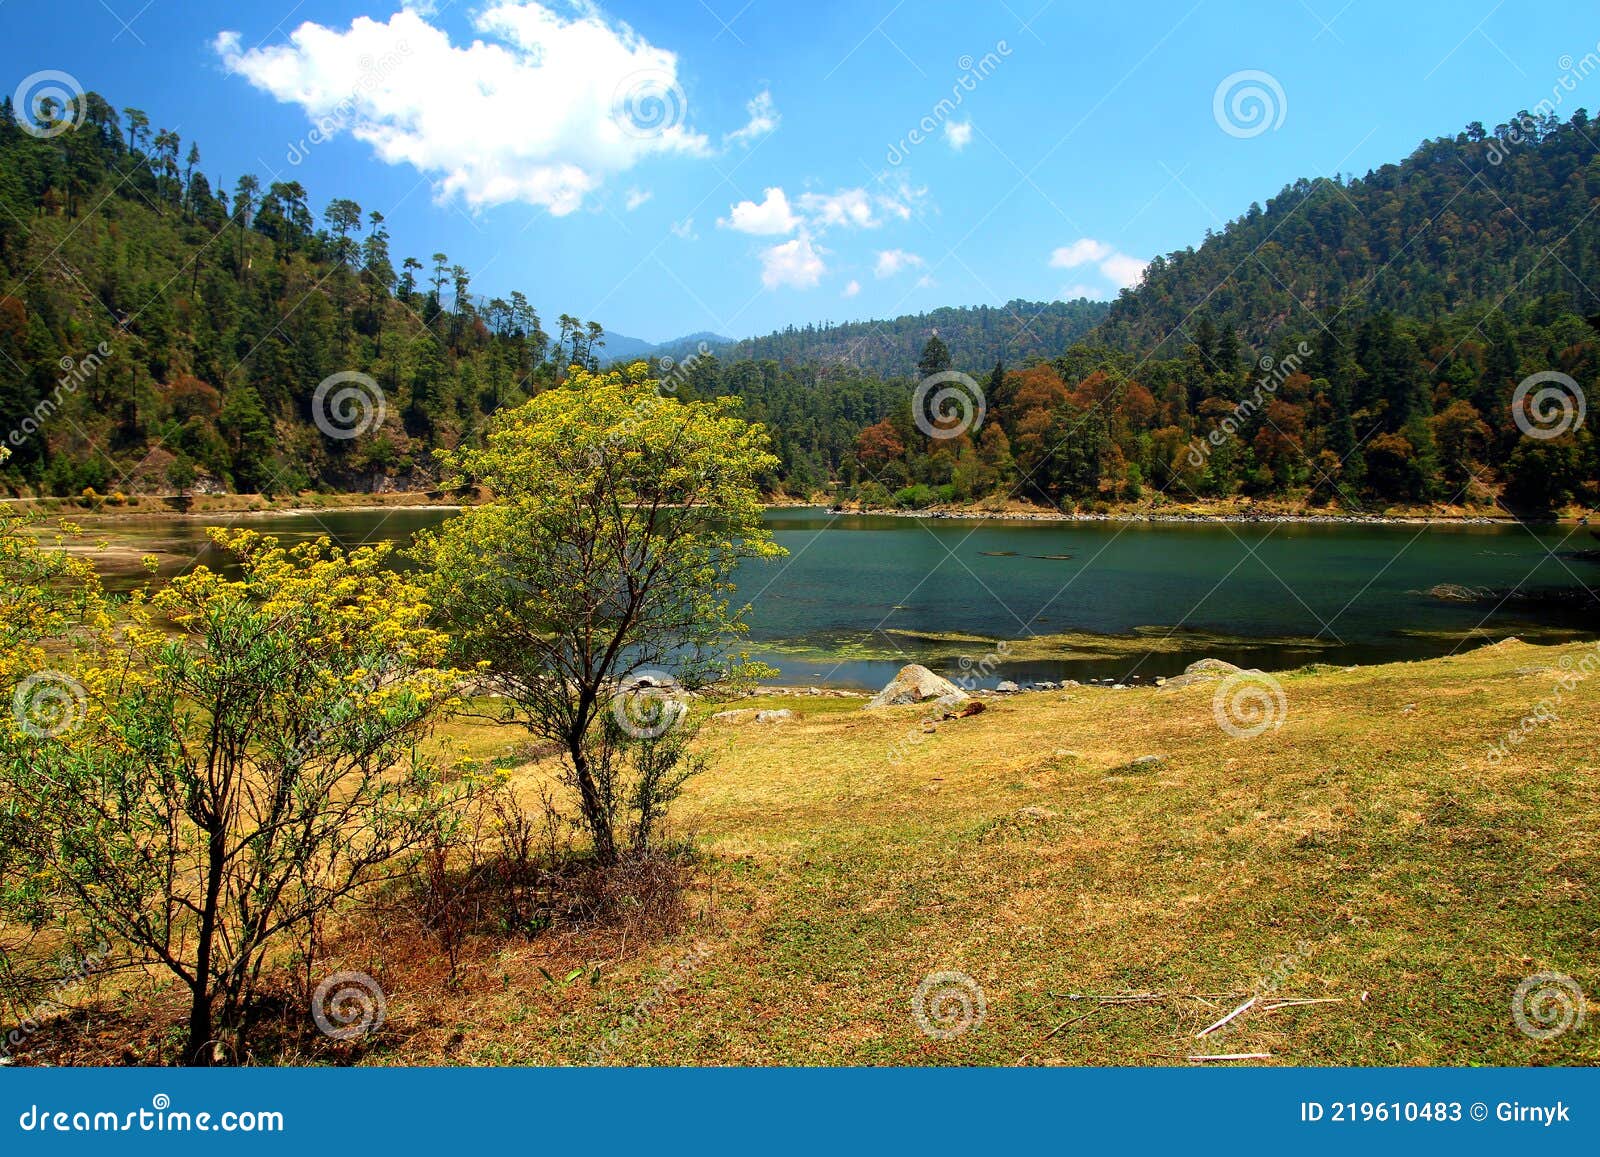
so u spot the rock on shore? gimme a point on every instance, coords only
(1201, 671)
(916, 684)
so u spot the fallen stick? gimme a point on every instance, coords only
(1142, 997)
(1211, 1028)
(1235, 1057)
(1296, 1003)
(1065, 1023)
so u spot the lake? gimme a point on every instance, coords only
(860, 595)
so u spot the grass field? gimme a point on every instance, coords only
(1375, 851)
(1372, 848)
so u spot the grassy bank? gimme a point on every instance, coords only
(1377, 850)
(201, 506)
(134, 507)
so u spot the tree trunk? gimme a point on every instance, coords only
(594, 812)
(199, 1049)
(200, 1024)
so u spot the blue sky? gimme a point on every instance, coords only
(666, 168)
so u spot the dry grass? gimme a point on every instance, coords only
(1370, 849)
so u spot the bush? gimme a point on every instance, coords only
(915, 497)
(202, 797)
(873, 495)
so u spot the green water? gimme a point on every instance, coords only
(858, 596)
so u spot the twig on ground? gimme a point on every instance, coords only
(1065, 1023)
(1218, 1024)
(1273, 1007)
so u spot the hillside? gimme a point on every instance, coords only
(1480, 219)
(974, 335)
(1353, 345)
(162, 333)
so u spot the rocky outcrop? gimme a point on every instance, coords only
(1201, 671)
(1454, 593)
(916, 684)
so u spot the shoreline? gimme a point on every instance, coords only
(1202, 518)
(240, 506)
(233, 506)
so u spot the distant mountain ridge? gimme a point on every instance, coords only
(976, 336)
(622, 348)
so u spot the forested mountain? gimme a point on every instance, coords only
(1470, 220)
(1357, 343)
(974, 335)
(157, 332)
(1417, 336)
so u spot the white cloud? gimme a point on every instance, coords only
(858, 209)
(958, 134)
(1083, 250)
(853, 288)
(1124, 270)
(926, 281)
(637, 197)
(847, 207)
(1116, 266)
(764, 119)
(796, 263)
(771, 216)
(540, 106)
(684, 229)
(811, 215)
(893, 261)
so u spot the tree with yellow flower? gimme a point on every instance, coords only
(246, 760)
(594, 587)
